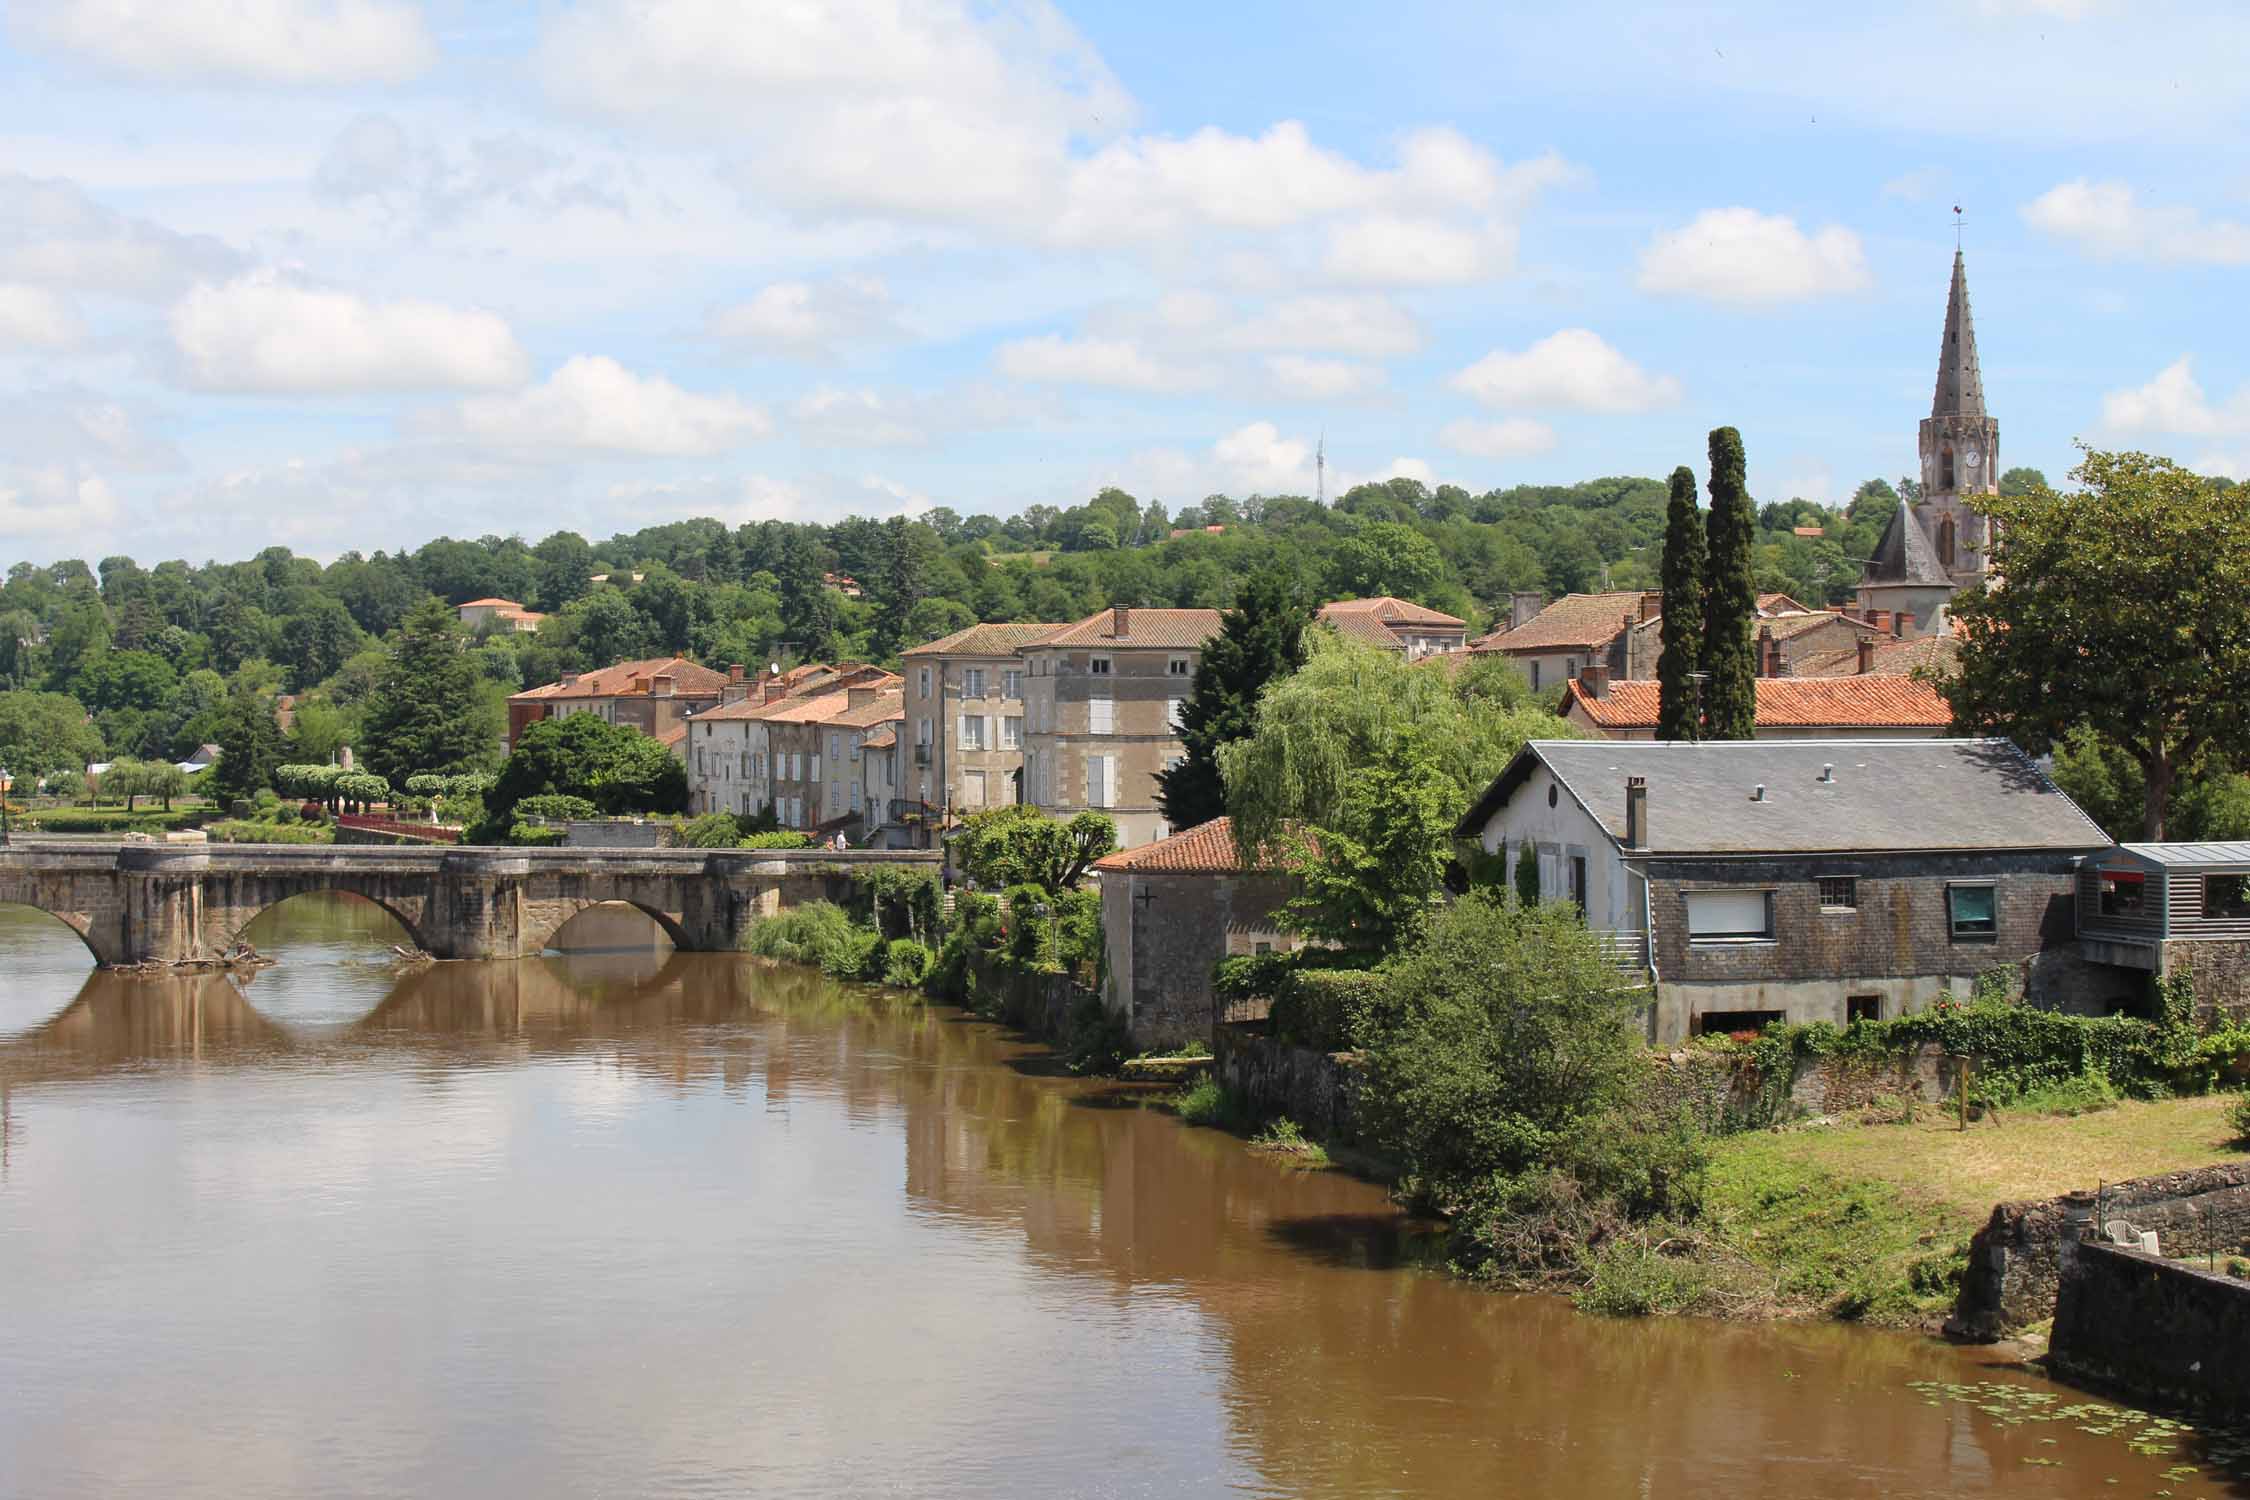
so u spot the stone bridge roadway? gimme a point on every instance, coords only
(136, 902)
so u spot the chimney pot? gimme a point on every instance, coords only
(1636, 812)
(1866, 654)
(1758, 792)
(734, 672)
(1901, 623)
(1593, 680)
(1120, 620)
(1652, 604)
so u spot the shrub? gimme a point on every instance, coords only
(814, 934)
(1031, 928)
(1207, 1102)
(717, 830)
(284, 813)
(2086, 1094)
(782, 840)
(532, 836)
(1094, 1041)
(1324, 1008)
(247, 831)
(1253, 976)
(1628, 1277)
(557, 807)
(2238, 1116)
(860, 955)
(906, 963)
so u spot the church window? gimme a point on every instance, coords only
(1945, 469)
(1946, 543)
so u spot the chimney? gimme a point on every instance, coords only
(1120, 621)
(1636, 812)
(1769, 653)
(734, 672)
(1593, 680)
(774, 689)
(1901, 624)
(1866, 654)
(1758, 792)
(570, 679)
(1524, 607)
(660, 686)
(1652, 604)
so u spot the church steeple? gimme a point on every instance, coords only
(1960, 385)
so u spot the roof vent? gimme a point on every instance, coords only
(1758, 792)
(1827, 773)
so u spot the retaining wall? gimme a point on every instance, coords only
(2153, 1329)
(2016, 1260)
(1318, 1090)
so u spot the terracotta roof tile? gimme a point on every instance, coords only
(1582, 620)
(1205, 849)
(1893, 658)
(883, 708)
(481, 603)
(883, 737)
(1391, 610)
(984, 640)
(1359, 626)
(688, 680)
(1177, 629)
(1870, 702)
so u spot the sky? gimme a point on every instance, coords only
(351, 274)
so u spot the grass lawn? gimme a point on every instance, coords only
(1873, 1221)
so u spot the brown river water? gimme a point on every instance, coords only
(633, 1223)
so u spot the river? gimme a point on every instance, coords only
(637, 1223)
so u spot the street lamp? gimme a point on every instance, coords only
(7, 785)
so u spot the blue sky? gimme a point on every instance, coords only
(354, 273)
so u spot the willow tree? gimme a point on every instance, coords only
(1730, 601)
(2122, 615)
(1353, 706)
(1678, 713)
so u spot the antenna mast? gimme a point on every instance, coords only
(1320, 469)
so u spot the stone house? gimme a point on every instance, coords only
(501, 613)
(1102, 703)
(1415, 630)
(1789, 708)
(653, 696)
(1805, 880)
(1618, 630)
(1171, 910)
(728, 749)
(890, 822)
(965, 719)
(810, 742)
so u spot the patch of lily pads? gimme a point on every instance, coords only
(2207, 1452)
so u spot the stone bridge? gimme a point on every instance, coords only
(137, 902)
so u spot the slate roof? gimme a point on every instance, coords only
(1842, 703)
(1887, 795)
(1583, 620)
(1960, 384)
(1205, 849)
(688, 680)
(2231, 853)
(1906, 554)
(1178, 629)
(984, 640)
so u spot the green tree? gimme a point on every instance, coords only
(1387, 557)
(316, 641)
(1527, 875)
(614, 766)
(1259, 640)
(1352, 706)
(2021, 481)
(250, 746)
(1017, 845)
(2123, 613)
(1493, 1042)
(1677, 716)
(319, 731)
(1366, 879)
(1730, 604)
(426, 713)
(42, 733)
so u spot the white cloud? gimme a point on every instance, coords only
(810, 318)
(1372, 327)
(853, 419)
(57, 499)
(2108, 221)
(592, 403)
(1261, 461)
(1513, 437)
(75, 426)
(261, 333)
(1575, 368)
(1750, 259)
(235, 41)
(53, 234)
(2175, 402)
(1117, 363)
(1398, 250)
(1322, 379)
(439, 182)
(34, 318)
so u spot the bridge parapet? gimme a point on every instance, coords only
(137, 902)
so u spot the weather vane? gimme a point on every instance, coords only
(1956, 226)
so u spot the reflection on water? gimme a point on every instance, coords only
(652, 1223)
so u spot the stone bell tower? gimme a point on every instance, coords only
(1960, 448)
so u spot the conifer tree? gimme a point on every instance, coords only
(1677, 712)
(1260, 639)
(1730, 601)
(425, 713)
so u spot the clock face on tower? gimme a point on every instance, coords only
(1973, 456)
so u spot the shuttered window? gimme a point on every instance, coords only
(1101, 780)
(1101, 716)
(1719, 916)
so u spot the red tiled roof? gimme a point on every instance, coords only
(1360, 626)
(673, 736)
(883, 708)
(1391, 610)
(688, 680)
(1869, 702)
(984, 640)
(1205, 849)
(1789, 626)
(882, 738)
(1892, 658)
(498, 603)
(1582, 620)
(1178, 629)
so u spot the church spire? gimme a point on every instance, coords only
(1960, 385)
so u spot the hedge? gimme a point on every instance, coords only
(1323, 1008)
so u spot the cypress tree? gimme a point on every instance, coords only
(1730, 601)
(1676, 713)
(1527, 874)
(1260, 639)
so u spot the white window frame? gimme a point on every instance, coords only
(1174, 712)
(922, 682)
(1011, 732)
(1100, 666)
(972, 682)
(1011, 683)
(973, 739)
(1180, 666)
(1720, 928)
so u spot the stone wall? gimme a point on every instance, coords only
(1318, 1090)
(2153, 1329)
(1723, 1092)
(2220, 971)
(2015, 1261)
(1166, 932)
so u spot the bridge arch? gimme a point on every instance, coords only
(230, 910)
(557, 915)
(402, 920)
(81, 924)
